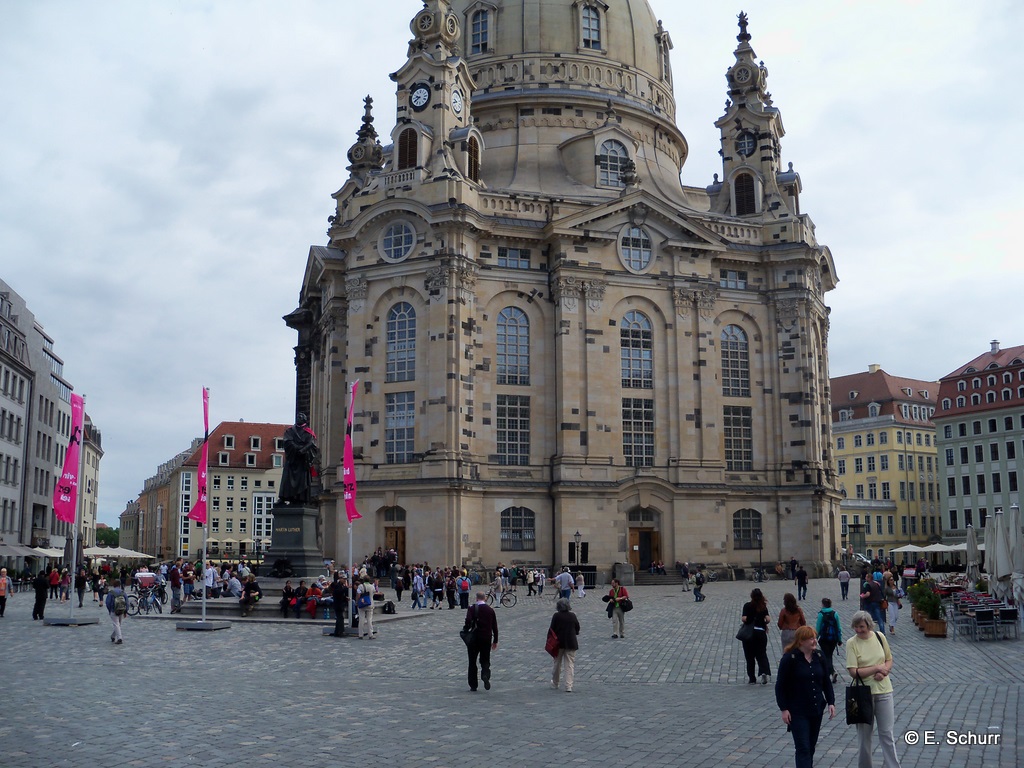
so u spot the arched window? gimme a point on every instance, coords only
(513, 346)
(636, 250)
(473, 158)
(746, 525)
(873, 410)
(961, 386)
(990, 397)
(637, 353)
(591, 29)
(407, 149)
(735, 362)
(401, 343)
(479, 29)
(946, 403)
(961, 401)
(743, 186)
(518, 529)
(611, 160)
(975, 399)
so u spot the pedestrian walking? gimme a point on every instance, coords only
(482, 623)
(6, 590)
(580, 584)
(803, 691)
(869, 658)
(844, 582)
(117, 609)
(684, 571)
(755, 613)
(81, 580)
(564, 583)
(801, 583)
(829, 634)
(791, 618)
(42, 587)
(463, 584)
(698, 586)
(615, 597)
(871, 596)
(566, 627)
(894, 598)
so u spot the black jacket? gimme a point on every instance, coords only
(567, 627)
(801, 687)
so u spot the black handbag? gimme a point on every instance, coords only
(467, 634)
(860, 707)
(746, 632)
(626, 605)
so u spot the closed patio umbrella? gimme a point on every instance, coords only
(997, 556)
(973, 558)
(1015, 544)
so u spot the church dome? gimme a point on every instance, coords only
(614, 51)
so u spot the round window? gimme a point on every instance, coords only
(635, 249)
(397, 241)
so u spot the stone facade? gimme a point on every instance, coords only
(551, 333)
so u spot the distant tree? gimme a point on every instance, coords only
(108, 537)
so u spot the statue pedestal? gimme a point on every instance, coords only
(294, 539)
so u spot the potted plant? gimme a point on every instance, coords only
(935, 622)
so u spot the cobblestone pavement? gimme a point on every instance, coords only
(272, 694)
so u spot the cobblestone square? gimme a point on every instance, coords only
(672, 692)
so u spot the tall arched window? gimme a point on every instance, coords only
(518, 529)
(746, 524)
(407, 149)
(513, 346)
(735, 362)
(591, 28)
(479, 29)
(473, 158)
(637, 351)
(610, 160)
(743, 186)
(401, 343)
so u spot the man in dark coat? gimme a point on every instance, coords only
(300, 455)
(42, 587)
(339, 591)
(483, 622)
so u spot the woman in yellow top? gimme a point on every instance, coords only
(869, 658)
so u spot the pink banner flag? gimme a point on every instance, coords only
(198, 511)
(348, 478)
(65, 495)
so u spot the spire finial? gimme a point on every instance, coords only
(743, 36)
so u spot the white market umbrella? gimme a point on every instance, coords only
(908, 548)
(973, 558)
(997, 557)
(1015, 545)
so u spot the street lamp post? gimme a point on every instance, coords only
(577, 537)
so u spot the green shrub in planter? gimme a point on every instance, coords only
(981, 585)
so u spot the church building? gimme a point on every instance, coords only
(564, 354)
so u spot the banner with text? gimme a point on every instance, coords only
(65, 495)
(198, 511)
(348, 479)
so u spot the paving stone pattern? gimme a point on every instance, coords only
(280, 693)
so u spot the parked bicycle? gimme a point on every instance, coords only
(146, 602)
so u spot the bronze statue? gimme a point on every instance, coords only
(301, 463)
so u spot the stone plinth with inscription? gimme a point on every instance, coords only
(295, 539)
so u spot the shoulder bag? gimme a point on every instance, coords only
(746, 632)
(859, 705)
(551, 646)
(467, 634)
(626, 605)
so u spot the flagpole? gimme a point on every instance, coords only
(204, 471)
(74, 526)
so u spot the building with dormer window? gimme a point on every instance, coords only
(554, 336)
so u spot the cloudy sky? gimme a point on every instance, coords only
(165, 166)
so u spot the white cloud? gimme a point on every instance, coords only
(165, 167)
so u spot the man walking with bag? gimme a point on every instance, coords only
(482, 623)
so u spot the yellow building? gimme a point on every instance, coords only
(886, 461)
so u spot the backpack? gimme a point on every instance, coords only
(463, 584)
(388, 608)
(830, 626)
(365, 600)
(699, 579)
(120, 605)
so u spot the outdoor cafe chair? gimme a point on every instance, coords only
(1008, 617)
(984, 621)
(962, 623)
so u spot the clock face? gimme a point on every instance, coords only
(420, 96)
(742, 75)
(457, 102)
(746, 144)
(452, 24)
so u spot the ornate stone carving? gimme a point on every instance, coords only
(787, 313)
(683, 301)
(437, 279)
(355, 291)
(705, 299)
(594, 292)
(567, 292)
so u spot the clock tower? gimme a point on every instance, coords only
(753, 183)
(434, 88)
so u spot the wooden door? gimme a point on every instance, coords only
(394, 538)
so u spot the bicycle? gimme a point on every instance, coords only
(508, 598)
(761, 574)
(146, 602)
